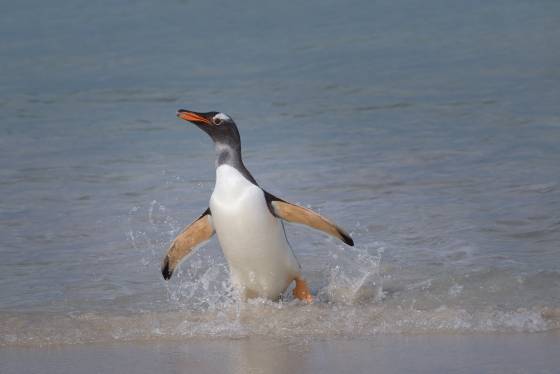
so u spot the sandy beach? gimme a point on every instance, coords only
(480, 353)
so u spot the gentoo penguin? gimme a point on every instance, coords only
(247, 221)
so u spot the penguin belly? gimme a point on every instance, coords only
(253, 241)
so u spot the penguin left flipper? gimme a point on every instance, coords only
(298, 214)
(194, 234)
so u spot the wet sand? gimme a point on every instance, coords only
(488, 353)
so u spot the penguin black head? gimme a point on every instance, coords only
(225, 135)
(219, 126)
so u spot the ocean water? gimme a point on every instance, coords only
(429, 130)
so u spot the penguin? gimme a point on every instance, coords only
(247, 220)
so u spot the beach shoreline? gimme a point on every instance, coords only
(433, 353)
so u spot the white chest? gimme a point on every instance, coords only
(238, 207)
(252, 239)
(231, 185)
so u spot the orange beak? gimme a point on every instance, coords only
(192, 117)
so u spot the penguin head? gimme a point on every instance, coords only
(219, 126)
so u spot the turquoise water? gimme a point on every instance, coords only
(428, 130)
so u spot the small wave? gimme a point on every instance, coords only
(355, 297)
(264, 318)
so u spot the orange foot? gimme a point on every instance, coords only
(302, 291)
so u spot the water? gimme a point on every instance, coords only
(429, 131)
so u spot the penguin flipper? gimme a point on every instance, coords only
(194, 234)
(298, 214)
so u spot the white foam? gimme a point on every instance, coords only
(265, 318)
(356, 297)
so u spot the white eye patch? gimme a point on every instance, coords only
(222, 117)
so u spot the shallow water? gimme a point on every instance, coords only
(430, 132)
(432, 354)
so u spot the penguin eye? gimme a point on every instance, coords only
(217, 121)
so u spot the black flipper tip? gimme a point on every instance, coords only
(165, 270)
(347, 239)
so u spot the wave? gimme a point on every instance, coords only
(264, 318)
(357, 295)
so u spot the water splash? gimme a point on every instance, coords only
(356, 276)
(355, 296)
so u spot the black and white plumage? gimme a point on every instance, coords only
(247, 221)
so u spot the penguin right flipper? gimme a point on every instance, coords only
(194, 234)
(298, 214)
